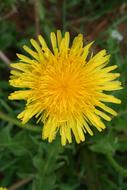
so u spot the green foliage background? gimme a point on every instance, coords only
(27, 162)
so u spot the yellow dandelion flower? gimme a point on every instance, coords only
(65, 88)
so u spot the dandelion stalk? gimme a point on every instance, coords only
(92, 177)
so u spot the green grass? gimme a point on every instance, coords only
(27, 162)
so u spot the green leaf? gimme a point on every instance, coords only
(105, 145)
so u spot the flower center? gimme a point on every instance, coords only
(62, 89)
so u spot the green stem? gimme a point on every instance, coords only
(116, 165)
(14, 121)
(5, 105)
(92, 177)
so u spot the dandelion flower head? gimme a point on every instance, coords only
(66, 87)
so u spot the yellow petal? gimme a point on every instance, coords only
(23, 58)
(54, 42)
(31, 52)
(59, 38)
(42, 41)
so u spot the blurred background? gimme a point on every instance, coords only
(27, 162)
